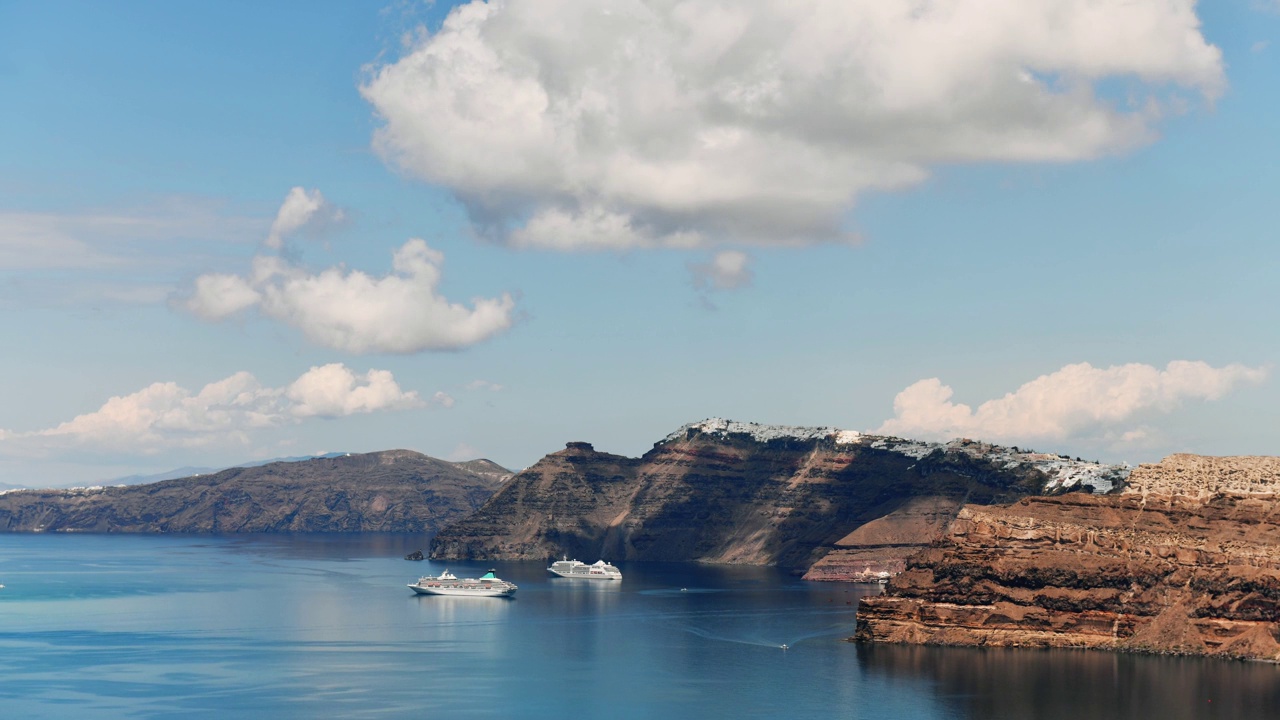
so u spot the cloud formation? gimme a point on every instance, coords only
(727, 270)
(400, 312)
(301, 209)
(333, 390)
(117, 240)
(623, 123)
(463, 452)
(1077, 401)
(166, 415)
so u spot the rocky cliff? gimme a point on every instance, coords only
(391, 491)
(1186, 559)
(725, 492)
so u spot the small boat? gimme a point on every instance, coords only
(599, 570)
(446, 583)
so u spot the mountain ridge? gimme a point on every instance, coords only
(386, 491)
(724, 491)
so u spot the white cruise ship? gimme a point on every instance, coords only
(600, 570)
(446, 583)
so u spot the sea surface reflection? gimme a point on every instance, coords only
(324, 626)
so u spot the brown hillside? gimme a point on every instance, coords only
(390, 491)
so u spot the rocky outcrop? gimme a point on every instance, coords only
(391, 491)
(1185, 560)
(725, 492)
(1203, 476)
(880, 548)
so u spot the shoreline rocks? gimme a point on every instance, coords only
(1185, 561)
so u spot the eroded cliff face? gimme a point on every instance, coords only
(879, 549)
(390, 491)
(727, 492)
(1185, 560)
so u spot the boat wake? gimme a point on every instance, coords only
(681, 591)
(762, 641)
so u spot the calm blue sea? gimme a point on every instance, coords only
(95, 626)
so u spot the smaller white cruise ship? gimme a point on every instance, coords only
(446, 583)
(600, 570)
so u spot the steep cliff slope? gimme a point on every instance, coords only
(390, 491)
(719, 491)
(1185, 560)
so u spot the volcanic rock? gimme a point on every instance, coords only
(727, 492)
(880, 548)
(1185, 560)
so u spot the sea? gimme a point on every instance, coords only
(323, 626)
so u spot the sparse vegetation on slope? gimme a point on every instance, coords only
(390, 491)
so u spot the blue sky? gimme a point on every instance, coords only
(672, 213)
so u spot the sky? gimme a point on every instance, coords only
(234, 231)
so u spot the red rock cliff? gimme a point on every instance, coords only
(1185, 560)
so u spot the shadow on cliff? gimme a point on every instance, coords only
(788, 502)
(719, 498)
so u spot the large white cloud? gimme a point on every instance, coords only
(1077, 401)
(401, 312)
(165, 415)
(623, 123)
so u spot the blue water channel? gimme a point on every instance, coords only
(112, 626)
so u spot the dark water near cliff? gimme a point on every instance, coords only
(122, 626)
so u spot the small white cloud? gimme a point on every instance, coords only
(462, 453)
(217, 296)
(1137, 438)
(443, 399)
(401, 312)
(483, 385)
(301, 209)
(334, 390)
(166, 415)
(727, 270)
(620, 125)
(1258, 46)
(1077, 401)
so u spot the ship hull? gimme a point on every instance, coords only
(585, 576)
(457, 591)
(573, 569)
